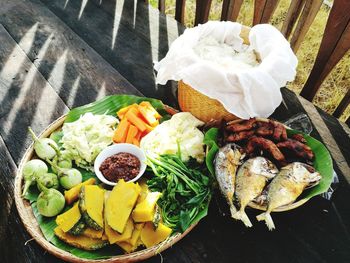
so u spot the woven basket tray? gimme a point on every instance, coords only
(200, 105)
(30, 223)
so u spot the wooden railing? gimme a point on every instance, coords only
(299, 17)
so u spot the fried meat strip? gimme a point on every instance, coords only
(264, 129)
(239, 136)
(266, 145)
(299, 137)
(300, 149)
(280, 132)
(241, 126)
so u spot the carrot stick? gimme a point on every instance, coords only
(148, 115)
(131, 134)
(149, 106)
(122, 111)
(121, 131)
(135, 120)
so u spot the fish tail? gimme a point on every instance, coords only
(266, 216)
(233, 209)
(241, 215)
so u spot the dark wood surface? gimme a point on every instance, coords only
(55, 55)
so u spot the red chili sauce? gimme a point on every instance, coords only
(120, 166)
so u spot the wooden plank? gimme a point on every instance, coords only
(180, 11)
(133, 53)
(307, 16)
(230, 10)
(342, 105)
(334, 44)
(293, 13)
(26, 98)
(202, 11)
(328, 139)
(339, 132)
(66, 52)
(161, 6)
(263, 10)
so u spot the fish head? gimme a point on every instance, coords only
(262, 166)
(302, 173)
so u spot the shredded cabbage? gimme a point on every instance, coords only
(85, 138)
(180, 129)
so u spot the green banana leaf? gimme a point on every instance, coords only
(111, 104)
(210, 139)
(322, 162)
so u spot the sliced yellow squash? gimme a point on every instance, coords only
(114, 236)
(91, 202)
(72, 194)
(135, 234)
(151, 236)
(68, 219)
(144, 211)
(90, 232)
(120, 203)
(81, 241)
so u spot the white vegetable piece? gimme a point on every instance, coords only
(182, 129)
(85, 138)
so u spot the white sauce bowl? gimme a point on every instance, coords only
(118, 148)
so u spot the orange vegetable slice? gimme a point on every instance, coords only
(121, 131)
(132, 117)
(148, 115)
(131, 134)
(149, 106)
(122, 111)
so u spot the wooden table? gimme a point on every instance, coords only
(55, 55)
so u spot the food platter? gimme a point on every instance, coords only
(46, 237)
(30, 222)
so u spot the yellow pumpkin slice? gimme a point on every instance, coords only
(144, 211)
(151, 236)
(81, 241)
(72, 194)
(68, 219)
(120, 203)
(90, 232)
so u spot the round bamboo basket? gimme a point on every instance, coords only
(200, 105)
(30, 223)
(284, 208)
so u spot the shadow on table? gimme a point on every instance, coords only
(128, 34)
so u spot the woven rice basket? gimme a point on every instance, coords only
(31, 224)
(200, 105)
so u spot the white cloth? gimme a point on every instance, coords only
(254, 92)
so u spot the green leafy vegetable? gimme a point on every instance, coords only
(186, 191)
(110, 105)
(210, 139)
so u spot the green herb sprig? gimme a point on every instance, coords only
(186, 190)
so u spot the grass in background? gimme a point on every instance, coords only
(338, 81)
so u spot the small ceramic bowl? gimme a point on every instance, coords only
(117, 148)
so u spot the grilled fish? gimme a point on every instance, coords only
(251, 179)
(286, 187)
(226, 162)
